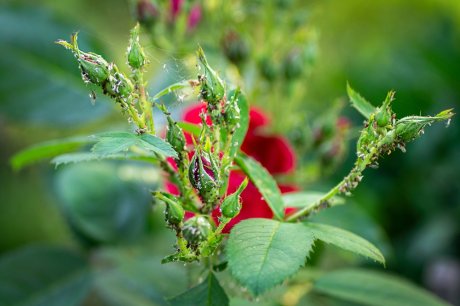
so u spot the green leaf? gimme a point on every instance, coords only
(191, 128)
(157, 145)
(374, 288)
(358, 102)
(79, 157)
(116, 142)
(264, 182)
(113, 145)
(345, 240)
(172, 88)
(208, 293)
(262, 253)
(133, 275)
(308, 198)
(43, 275)
(105, 202)
(242, 128)
(40, 82)
(47, 150)
(352, 218)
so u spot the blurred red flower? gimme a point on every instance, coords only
(273, 151)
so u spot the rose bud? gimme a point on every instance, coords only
(174, 134)
(147, 13)
(136, 56)
(94, 68)
(174, 213)
(235, 48)
(293, 65)
(202, 175)
(196, 230)
(231, 205)
(118, 86)
(232, 110)
(194, 17)
(212, 87)
(268, 69)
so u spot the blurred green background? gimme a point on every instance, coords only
(409, 207)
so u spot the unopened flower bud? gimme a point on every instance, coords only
(94, 68)
(174, 213)
(194, 17)
(268, 69)
(175, 136)
(232, 110)
(202, 176)
(196, 230)
(118, 86)
(147, 13)
(231, 205)
(136, 56)
(383, 118)
(212, 87)
(407, 131)
(235, 48)
(293, 65)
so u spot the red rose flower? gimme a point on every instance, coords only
(272, 151)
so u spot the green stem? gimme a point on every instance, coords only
(145, 105)
(360, 166)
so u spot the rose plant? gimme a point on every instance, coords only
(222, 199)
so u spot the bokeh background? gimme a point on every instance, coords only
(409, 207)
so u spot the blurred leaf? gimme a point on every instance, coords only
(136, 277)
(308, 198)
(243, 124)
(262, 253)
(40, 82)
(345, 240)
(316, 299)
(264, 182)
(115, 142)
(43, 275)
(102, 202)
(191, 128)
(208, 293)
(350, 217)
(172, 88)
(91, 156)
(374, 288)
(358, 102)
(46, 150)
(243, 302)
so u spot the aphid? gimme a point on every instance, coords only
(92, 97)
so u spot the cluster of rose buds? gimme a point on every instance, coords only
(148, 13)
(383, 134)
(123, 89)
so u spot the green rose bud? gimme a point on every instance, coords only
(407, 131)
(232, 110)
(174, 213)
(231, 205)
(203, 176)
(196, 230)
(268, 69)
(175, 136)
(94, 68)
(383, 118)
(293, 65)
(136, 56)
(235, 48)
(212, 87)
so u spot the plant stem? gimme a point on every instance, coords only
(349, 182)
(308, 209)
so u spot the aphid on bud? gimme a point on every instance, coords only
(92, 97)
